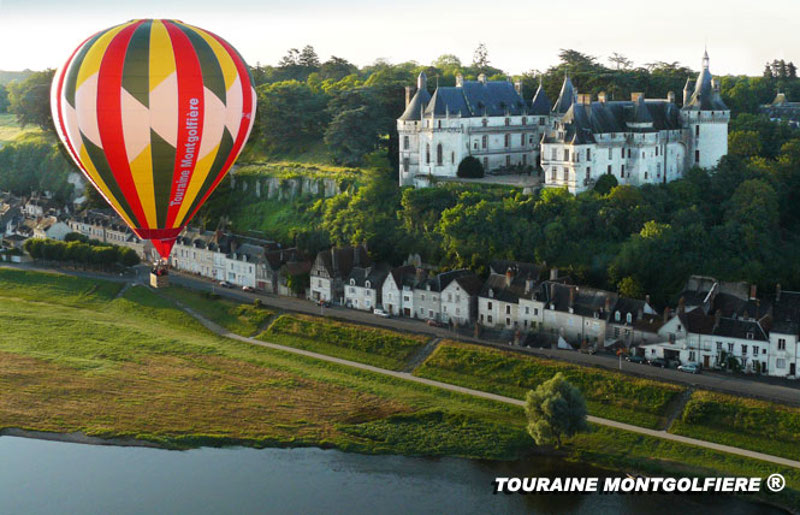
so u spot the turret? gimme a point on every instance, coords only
(705, 117)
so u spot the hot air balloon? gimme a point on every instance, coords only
(154, 112)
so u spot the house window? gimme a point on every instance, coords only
(656, 151)
(554, 153)
(588, 173)
(645, 175)
(781, 343)
(449, 297)
(406, 163)
(609, 153)
(422, 297)
(744, 350)
(508, 321)
(780, 363)
(629, 153)
(508, 310)
(484, 141)
(489, 305)
(730, 348)
(527, 310)
(439, 124)
(458, 298)
(489, 319)
(541, 120)
(405, 142)
(439, 152)
(553, 177)
(535, 311)
(524, 121)
(430, 313)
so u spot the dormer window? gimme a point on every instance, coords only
(629, 318)
(367, 284)
(491, 293)
(352, 282)
(617, 316)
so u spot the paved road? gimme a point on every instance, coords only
(494, 397)
(789, 392)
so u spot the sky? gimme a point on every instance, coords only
(521, 35)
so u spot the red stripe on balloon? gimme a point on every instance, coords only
(244, 126)
(190, 118)
(109, 118)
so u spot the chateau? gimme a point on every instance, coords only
(574, 141)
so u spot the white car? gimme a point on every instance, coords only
(380, 313)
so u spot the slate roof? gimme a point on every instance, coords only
(565, 98)
(697, 322)
(511, 291)
(440, 281)
(585, 301)
(786, 313)
(345, 260)
(416, 106)
(471, 99)
(540, 105)
(704, 98)
(375, 275)
(470, 283)
(404, 275)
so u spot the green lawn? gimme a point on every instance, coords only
(608, 394)
(10, 129)
(379, 347)
(243, 319)
(767, 427)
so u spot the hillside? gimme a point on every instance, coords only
(8, 76)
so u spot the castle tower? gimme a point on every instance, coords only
(408, 126)
(705, 116)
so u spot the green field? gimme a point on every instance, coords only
(10, 129)
(243, 319)
(379, 347)
(641, 402)
(762, 426)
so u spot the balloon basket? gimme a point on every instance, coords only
(159, 278)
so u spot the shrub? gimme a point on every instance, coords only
(470, 168)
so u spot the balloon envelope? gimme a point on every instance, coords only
(154, 112)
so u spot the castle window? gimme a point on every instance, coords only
(566, 154)
(484, 141)
(522, 140)
(439, 124)
(609, 153)
(553, 177)
(439, 154)
(507, 140)
(524, 121)
(524, 159)
(452, 157)
(486, 163)
(427, 153)
(588, 173)
(609, 170)
(405, 142)
(541, 120)
(566, 174)
(645, 175)
(485, 122)
(588, 154)
(656, 150)
(622, 153)
(696, 156)
(622, 171)
(697, 131)
(508, 122)
(508, 161)
(475, 145)
(406, 163)
(629, 153)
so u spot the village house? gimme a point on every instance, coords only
(268, 273)
(398, 291)
(459, 299)
(428, 296)
(501, 302)
(50, 227)
(364, 289)
(784, 350)
(330, 271)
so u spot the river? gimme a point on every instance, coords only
(38, 476)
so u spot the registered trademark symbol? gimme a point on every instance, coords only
(776, 482)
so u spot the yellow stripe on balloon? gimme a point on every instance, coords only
(94, 57)
(142, 172)
(92, 171)
(226, 63)
(201, 170)
(162, 58)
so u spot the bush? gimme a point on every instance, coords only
(470, 168)
(605, 184)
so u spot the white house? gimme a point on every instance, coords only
(50, 227)
(398, 291)
(784, 350)
(364, 287)
(509, 299)
(428, 295)
(330, 271)
(459, 299)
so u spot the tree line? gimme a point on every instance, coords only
(78, 249)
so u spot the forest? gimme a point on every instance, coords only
(735, 222)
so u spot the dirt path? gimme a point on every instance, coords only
(421, 355)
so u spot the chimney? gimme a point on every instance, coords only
(528, 286)
(553, 274)
(459, 80)
(647, 299)
(571, 296)
(666, 314)
(584, 98)
(552, 291)
(601, 97)
(419, 275)
(334, 262)
(408, 95)
(608, 305)
(518, 86)
(482, 78)
(671, 97)
(752, 292)
(681, 306)
(635, 96)
(509, 276)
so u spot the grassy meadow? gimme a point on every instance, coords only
(379, 347)
(608, 394)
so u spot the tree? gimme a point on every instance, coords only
(470, 168)
(351, 135)
(308, 57)
(480, 58)
(555, 410)
(3, 99)
(621, 62)
(605, 184)
(29, 100)
(629, 287)
(744, 143)
(289, 115)
(336, 69)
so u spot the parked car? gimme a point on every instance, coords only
(248, 289)
(434, 323)
(692, 368)
(324, 303)
(659, 362)
(225, 284)
(380, 313)
(635, 359)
